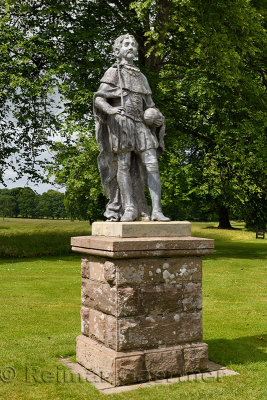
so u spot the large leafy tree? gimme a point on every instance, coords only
(212, 78)
(25, 202)
(51, 205)
(204, 61)
(7, 205)
(27, 82)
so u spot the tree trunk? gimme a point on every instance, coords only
(224, 222)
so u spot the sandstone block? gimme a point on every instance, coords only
(164, 364)
(130, 369)
(196, 358)
(141, 229)
(143, 332)
(192, 296)
(96, 358)
(110, 272)
(137, 271)
(159, 330)
(85, 271)
(98, 269)
(158, 270)
(123, 301)
(97, 324)
(160, 299)
(100, 296)
(85, 321)
(103, 328)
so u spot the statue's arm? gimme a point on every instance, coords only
(102, 104)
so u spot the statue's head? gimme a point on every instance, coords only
(125, 47)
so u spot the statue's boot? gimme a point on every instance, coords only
(130, 214)
(154, 185)
(144, 217)
(159, 216)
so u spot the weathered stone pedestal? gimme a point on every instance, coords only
(141, 312)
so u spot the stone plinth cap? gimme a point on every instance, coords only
(138, 229)
(116, 247)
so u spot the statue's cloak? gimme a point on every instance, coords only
(132, 80)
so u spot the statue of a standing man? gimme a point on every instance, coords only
(129, 131)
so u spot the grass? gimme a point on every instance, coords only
(35, 237)
(39, 321)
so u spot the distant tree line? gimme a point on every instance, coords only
(26, 203)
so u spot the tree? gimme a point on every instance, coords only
(26, 85)
(206, 69)
(27, 202)
(6, 205)
(51, 205)
(212, 77)
(76, 167)
(15, 192)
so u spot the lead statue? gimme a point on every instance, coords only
(130, 133)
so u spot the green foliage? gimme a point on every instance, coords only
(76, 167)
(26, 84)
(25, 202)
(254, 212)
(212, 81)
(205, 65)
(7, 205)
(51, 205)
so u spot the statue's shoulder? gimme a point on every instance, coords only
(110, 76)
(144, 78)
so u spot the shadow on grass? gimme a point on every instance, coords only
(241, 350)
(239, 250)
(222, 230)
(37, 244)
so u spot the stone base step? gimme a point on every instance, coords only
(123, 368)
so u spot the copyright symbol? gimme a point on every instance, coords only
(7, 374)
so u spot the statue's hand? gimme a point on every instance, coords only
(158, 122)
(117, 110)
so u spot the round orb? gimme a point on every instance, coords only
(151, 115)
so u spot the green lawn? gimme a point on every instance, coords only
(39, 320)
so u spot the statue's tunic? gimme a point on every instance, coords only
(128, 133)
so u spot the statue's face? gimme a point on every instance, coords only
(128, 50)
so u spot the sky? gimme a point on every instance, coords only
(25, 182)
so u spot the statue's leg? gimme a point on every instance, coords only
(138, 174)
(126, 187)
(149, 158)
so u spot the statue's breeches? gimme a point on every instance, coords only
(127, 134)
